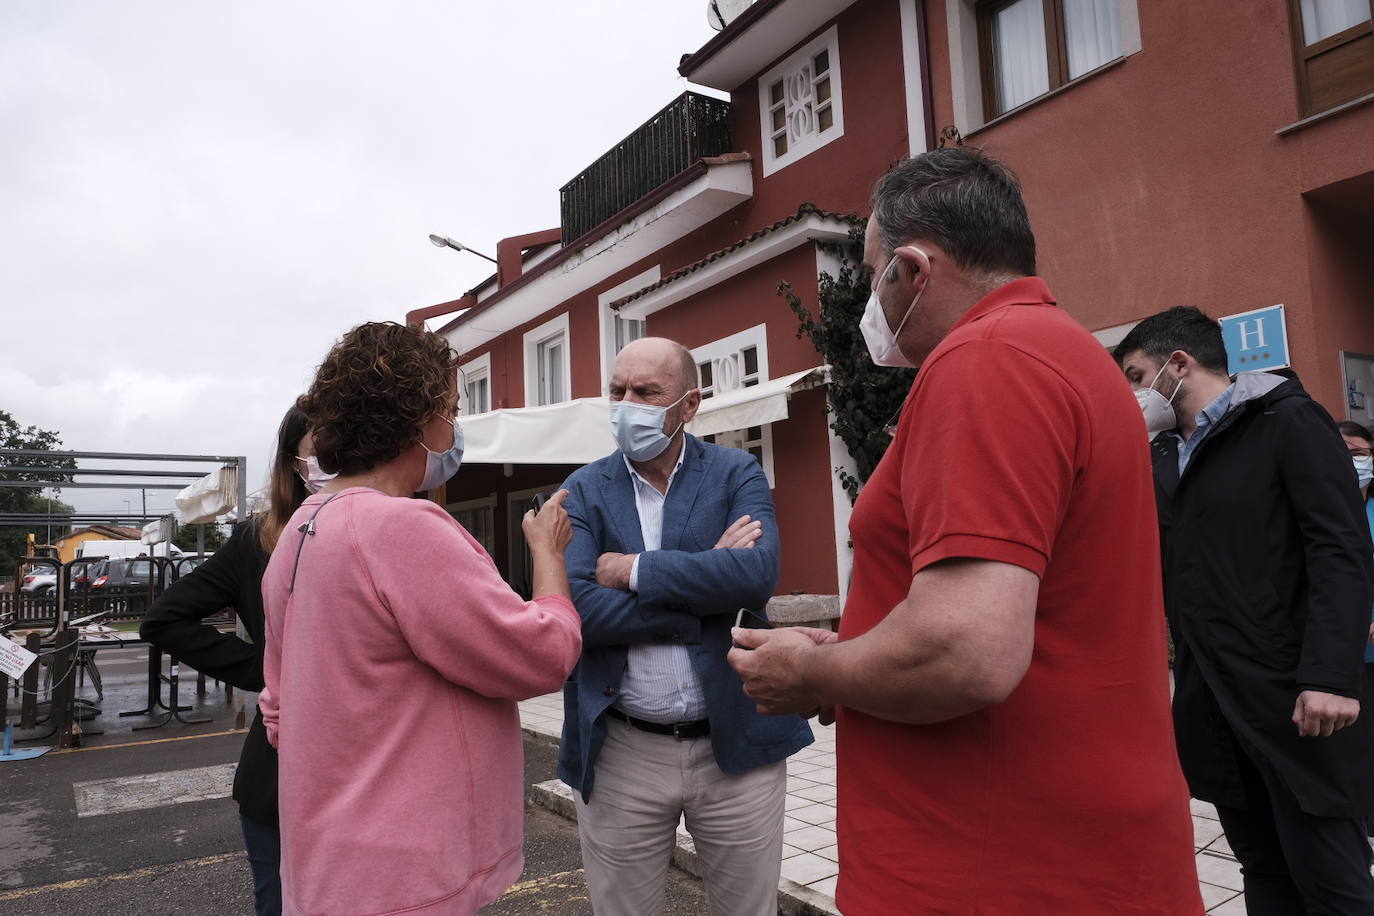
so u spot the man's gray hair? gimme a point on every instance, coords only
(962, 200)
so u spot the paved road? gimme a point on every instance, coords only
(71, 840)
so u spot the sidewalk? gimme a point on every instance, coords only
(810, 858)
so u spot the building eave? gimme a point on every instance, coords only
(760, 35)
(703, 192)
(808, 225)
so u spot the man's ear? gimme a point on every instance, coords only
(690, 405)
(1181, 361)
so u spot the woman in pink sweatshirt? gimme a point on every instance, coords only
(395, 652)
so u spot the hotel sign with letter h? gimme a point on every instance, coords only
(1255, 340)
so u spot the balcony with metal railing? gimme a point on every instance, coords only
(690, 128)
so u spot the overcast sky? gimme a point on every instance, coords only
(198, 199)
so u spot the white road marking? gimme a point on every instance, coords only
(152, 790)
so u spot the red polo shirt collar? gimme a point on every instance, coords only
(1025, 291)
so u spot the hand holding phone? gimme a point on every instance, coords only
(748, 620)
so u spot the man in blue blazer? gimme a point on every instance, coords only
(672, 536)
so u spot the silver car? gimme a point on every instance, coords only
(40, 580)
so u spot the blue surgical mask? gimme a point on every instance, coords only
(638, 428)
(440, 466)
(1364, 469)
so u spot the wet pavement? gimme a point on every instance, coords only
(139, 822)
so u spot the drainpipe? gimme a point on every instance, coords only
(510, 253)
(418, 317)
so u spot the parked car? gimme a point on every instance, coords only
(121, 576)
(40, 580)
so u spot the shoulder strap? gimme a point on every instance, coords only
(308, 528)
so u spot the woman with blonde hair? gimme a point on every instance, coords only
(396, 653)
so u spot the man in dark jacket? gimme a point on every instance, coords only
(1268, 584)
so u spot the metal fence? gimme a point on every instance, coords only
(691, 127)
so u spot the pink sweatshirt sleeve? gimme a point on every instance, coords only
(457, 613)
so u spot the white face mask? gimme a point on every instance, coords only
(313, 478)
(638, 428)
(440, 466)
(881, 339)
(1160, 415)
(1364, 469)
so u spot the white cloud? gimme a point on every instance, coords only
(200, 198)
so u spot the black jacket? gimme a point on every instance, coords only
(231, 578)
(1268, 584)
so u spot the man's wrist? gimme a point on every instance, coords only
(813, 673)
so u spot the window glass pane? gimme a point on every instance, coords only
(757, 452)
(754, 433)
(556, 372)
(627, 330)
(1093, 31)
(751, 360)
(825, 119)
(780, 144)
(1324, 18)
(779, 118)
(823, 90)
(822, 61)
(775, 92)
(1018, 47)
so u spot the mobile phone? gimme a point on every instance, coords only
(537, 502)
(750, 621)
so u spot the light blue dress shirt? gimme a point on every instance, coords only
(660, 684)
(1206, 420)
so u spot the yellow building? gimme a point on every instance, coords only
(66, 546)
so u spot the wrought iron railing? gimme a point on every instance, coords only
(691, 127)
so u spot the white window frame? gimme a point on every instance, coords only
(729, 349)
(609, 319)
(468, 505)
(788, 69)
(738, 438)
(532, 341)
(475, 370)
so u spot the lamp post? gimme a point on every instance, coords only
(443, 241)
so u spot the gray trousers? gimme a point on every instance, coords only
(645, 784)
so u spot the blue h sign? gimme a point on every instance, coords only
(1256, 340)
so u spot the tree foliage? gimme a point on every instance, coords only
(26, 499)
(185, 538)
(863, 399)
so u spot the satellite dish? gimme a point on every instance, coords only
(720, 13)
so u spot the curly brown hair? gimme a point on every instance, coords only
(373, 391)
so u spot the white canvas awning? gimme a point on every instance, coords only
(208, 498)
(571, 432)
(579, 432)
(753, 406)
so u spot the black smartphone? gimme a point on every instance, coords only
(537, 502)
(750, 621)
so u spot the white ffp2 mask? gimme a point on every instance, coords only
(883, 348)
(1160, 415)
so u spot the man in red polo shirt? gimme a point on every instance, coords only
(999, 679)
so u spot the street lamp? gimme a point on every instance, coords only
(443, 241)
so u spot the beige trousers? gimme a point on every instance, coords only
(644, 784)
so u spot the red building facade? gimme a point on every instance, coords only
(1171, 153)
